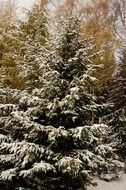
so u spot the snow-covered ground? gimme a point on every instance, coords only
(113, 185)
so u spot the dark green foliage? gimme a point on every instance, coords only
(48, 140)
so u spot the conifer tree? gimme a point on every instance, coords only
(34, 29)
(117, 96)
(9, 47)
(49, 140)
(34, 35)
(19, 46)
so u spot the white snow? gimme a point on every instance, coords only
(38, 167)
(113, 185)
(8, 174)
(70, 165)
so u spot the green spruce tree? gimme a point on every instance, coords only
(49, 140)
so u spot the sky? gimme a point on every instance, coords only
(26, 3)
(29, 3)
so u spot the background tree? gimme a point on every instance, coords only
(10, 75)
(117, 96)
(34, 35)
(34, 29)
(19, 48)
(119, 13)
(98, 25)
(8, 15)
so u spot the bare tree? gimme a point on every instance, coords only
(119, 16)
